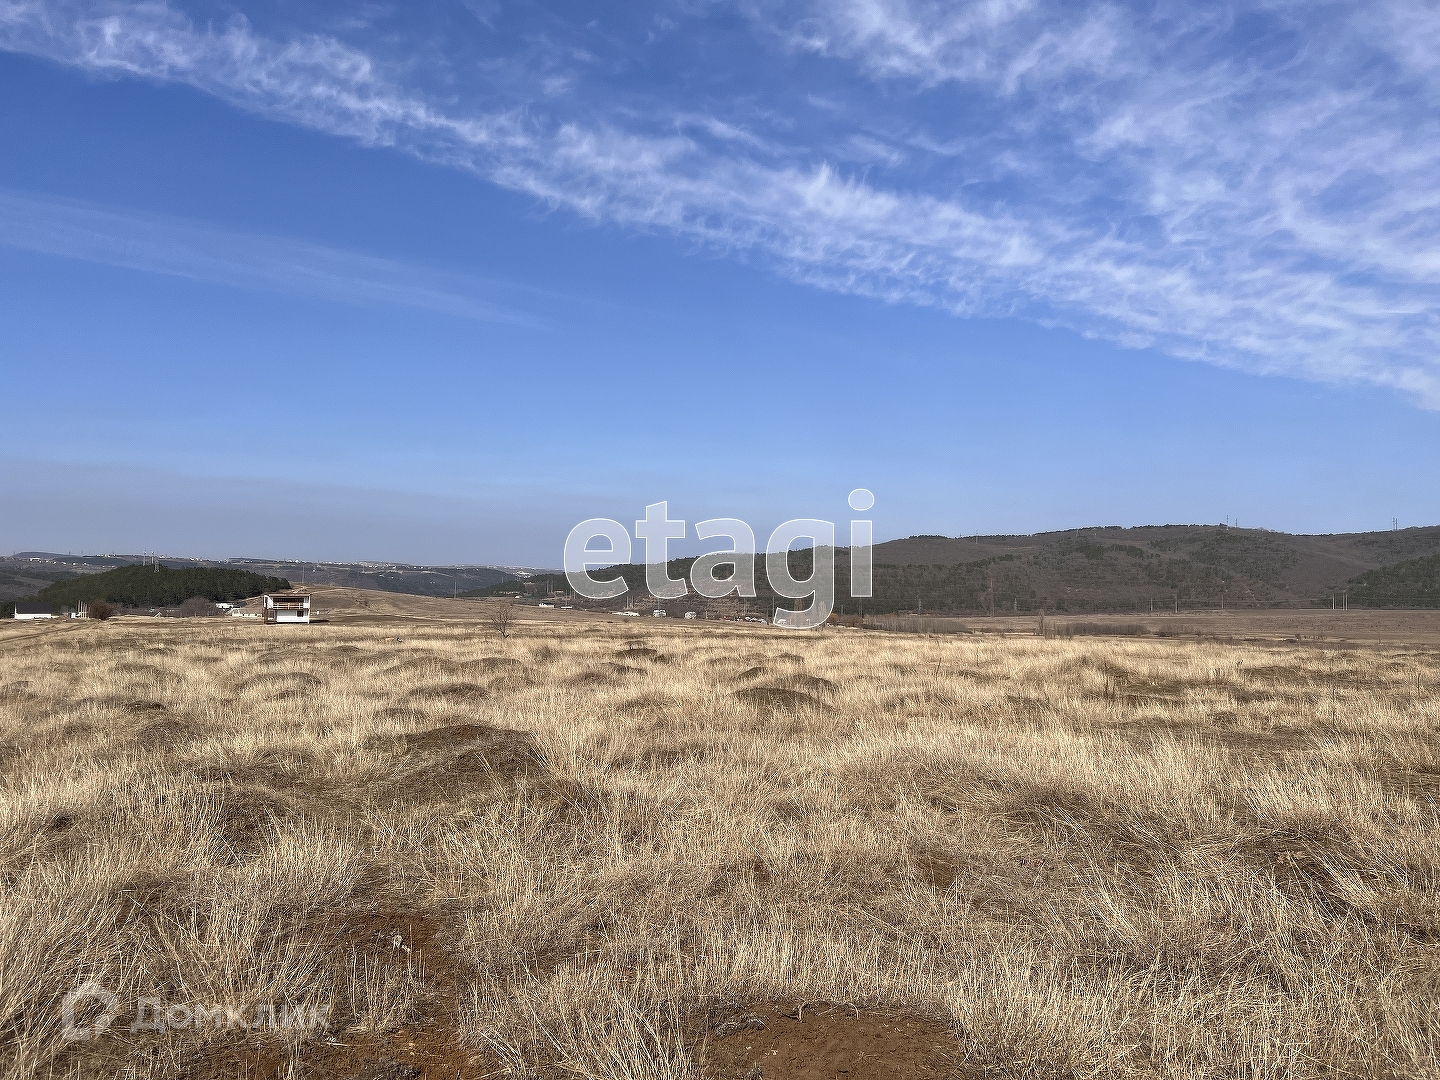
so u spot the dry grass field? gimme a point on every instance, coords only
(642, 851)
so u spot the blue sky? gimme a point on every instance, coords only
(446, 279)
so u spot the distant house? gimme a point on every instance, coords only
(30, 609)
(286, 607)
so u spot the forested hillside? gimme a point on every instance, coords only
(1414, 583)
(1122, 570)
(160, 586)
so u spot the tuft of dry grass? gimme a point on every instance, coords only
(568, 851)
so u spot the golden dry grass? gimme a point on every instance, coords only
(568, 852)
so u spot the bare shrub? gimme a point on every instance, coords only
(500, 615)
(197, 607)
(99, 609)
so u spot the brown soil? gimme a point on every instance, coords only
(823, 1042)
(426, 1049)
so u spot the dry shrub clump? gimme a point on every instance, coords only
(567, 852)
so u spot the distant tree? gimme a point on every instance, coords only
(99, 609)
(500, 615)
(195, 607)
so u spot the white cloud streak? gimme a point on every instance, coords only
(1266, 204)
(160, 244)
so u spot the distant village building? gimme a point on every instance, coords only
(286, 607)
(29, 609)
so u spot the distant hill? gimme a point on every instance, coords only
(18, 580)
(159, 586)
(542, 584)
(1413, 583)
(408, 578)
(1078, 570)
(1114, 569)
(387, 577)
(1119, 569)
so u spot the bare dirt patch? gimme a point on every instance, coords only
(404, 959)
(823, 1042)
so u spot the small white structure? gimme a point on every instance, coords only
(286, 607)
(691, 615)
(659, 613)
(29, 609)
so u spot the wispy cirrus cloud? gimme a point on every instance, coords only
(178, 247)
(1245, 184)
